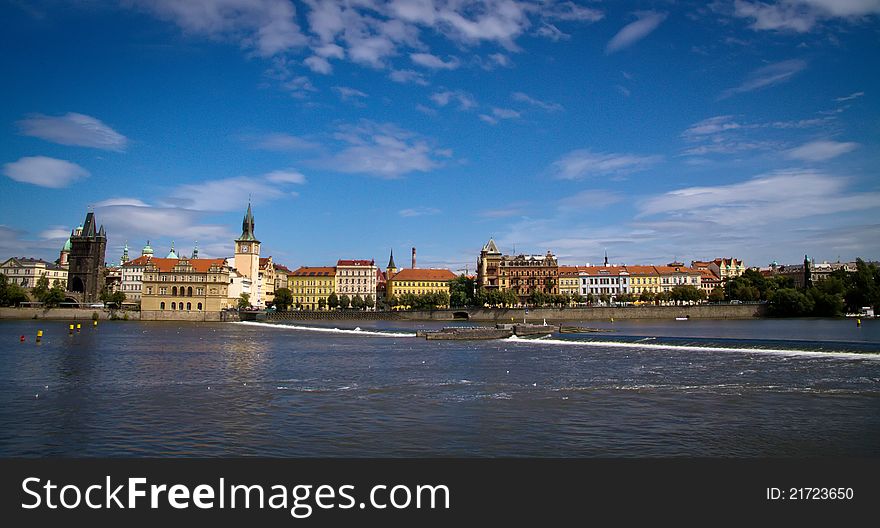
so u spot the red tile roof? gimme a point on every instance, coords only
(199, 265)
(309, 271)
(355, 263)
(140, 261)
(423, 274)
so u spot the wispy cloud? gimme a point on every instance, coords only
(585, 163)
(419, 211)
(465, 100)
(801, 16)
(770, 75)
(44, 171)
(849, 97)
(349, 94)
(434, 62)
(408, 76)
(267, 27)
(589, 199)
(545, 105)
(785, 194)
(382, 150)
(282, 142)
(633, 32)
(73, 129)
(227, 194)
(821, 150)
(498, 114)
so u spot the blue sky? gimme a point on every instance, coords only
(657, 130)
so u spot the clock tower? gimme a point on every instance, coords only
(247, 249)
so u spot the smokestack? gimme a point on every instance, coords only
(414, 258)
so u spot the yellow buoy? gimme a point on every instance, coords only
(39, 335)
(70, 329)
(858, 322)
(95, 322)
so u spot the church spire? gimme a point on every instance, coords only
(391, 264)
(247, 225)
(606, 257)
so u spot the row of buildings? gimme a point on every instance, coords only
(179, 283)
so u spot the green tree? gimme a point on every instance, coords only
(509, 298)
(789, 302)
(605, 298)
(322, 303)
(369, 303)
(55, 296)
(537, 298)
(41, 289)
(648, 296)
(244, 301)
(283, 299)
(333, 301)
(461, 292)
(577, 298)
(344, 301)
(480, 298)
(591, 298)
(357, 302)
(717, 295)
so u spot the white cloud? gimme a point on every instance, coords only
(319, 65)
(408, 76)
(586, 163)
(44, 171)
(73, 129)
(499, 113)
(802, 15)
(821, 150)
(464, 99)
(349, 94)
(776, 196)
(849, 97)
(283, 142)
(635, 31)
(419, 211)
(228, 194)
(525, 98)
(770, 75)
(551, 32)
(712, 125)
(382, 150)
(268, 27)
(434, 62)
(589, 199)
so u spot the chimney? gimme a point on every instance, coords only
(414, 258)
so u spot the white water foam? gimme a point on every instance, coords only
(694, 348)
(356, 331)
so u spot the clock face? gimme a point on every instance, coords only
(244, 248)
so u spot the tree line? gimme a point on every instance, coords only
(841, 292)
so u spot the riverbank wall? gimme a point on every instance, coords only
(73, 314)
(533, 315)
(498, 315)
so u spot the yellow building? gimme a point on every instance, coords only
(27, 271)
(183, 287)
(569, 282)
(309, 285)
(419, 281)
(643, 279)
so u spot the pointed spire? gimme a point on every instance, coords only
(391, 264)
(172, 254)
(606, 257)
(195, 253)
(247, 225)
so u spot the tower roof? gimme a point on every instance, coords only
(247, 225)
(172, 254)
(490, 247)
(391, 264)
(66, 246)
(148, 250)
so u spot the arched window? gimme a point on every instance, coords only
(188, 306)
(200, 306)
(180, 306)
(161, 306)
(174, 291)
(174, 306)
(189, 292)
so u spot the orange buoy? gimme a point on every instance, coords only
(22, 339)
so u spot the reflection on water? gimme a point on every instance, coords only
(698, 388)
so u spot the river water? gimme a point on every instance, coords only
(789, 388)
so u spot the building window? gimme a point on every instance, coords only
(173, 306)
(188, 306)
(199, 306)
(161, 306)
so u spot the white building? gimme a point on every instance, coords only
(356, 277)
(27, 271)
(604, 280)
(239, 284)
(133, 274)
